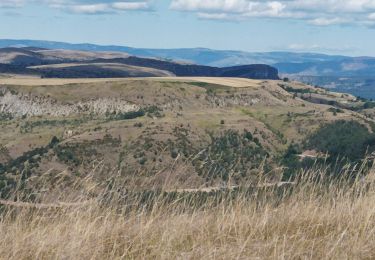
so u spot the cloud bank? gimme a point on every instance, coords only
(315, 12)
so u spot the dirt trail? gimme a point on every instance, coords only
(211, 189)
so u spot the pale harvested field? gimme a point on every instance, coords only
(231, 82)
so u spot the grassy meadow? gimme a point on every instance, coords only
(316, 217)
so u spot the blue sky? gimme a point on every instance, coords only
(327, 26)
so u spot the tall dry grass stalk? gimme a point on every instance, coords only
(325, 219)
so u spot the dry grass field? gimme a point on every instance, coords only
(309, 220)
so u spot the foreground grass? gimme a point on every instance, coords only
(311, 220)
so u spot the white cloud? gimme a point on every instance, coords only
(11, 3)
(131, 5)
(107, 7)
(327, 21)
(90, 9)
(315, 12)
(229, 6)
(213, 16)
(85, 6)
(371, 16)
(298, 47)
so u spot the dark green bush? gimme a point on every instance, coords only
(230, 153)
(368, 104)
(348, 139)
(127, 115)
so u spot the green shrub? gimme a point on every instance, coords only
(230, 153)
(348, 139)
(127, 115)
(154, 111)
(5, 116)
(151, 111)
(296, 90)
(67, 155)
(335, 110)
(142, 160)
(368, 104)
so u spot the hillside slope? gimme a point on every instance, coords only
(97, 70)
(177, 132)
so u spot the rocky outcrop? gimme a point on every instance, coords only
(256, 71)
(19, 105)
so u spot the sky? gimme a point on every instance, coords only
(327, 26)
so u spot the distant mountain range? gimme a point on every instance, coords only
(201, 56)
(355, 75)
(57, 63)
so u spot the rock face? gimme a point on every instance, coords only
(256, 71)
(18, 105)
